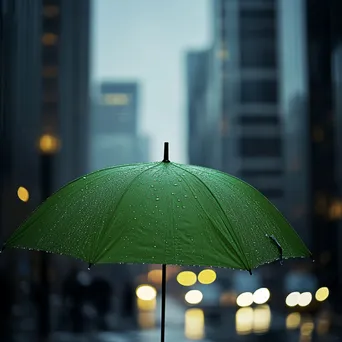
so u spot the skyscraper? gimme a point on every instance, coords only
(44, 108)
(114, 126)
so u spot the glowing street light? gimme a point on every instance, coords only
(146, 292)
(23, 194)
(322, 294)
(261, 296)
(292, 299)
(207, 277)
(187, 278)
(194, 297)
(244, 299)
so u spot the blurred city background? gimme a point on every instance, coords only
(250, 87)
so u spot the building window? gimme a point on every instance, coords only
(50, 71)
(260, 147)
(258, 120)
(50, 11)
(115, 99)
(49, 39)
(258, 52)
(259, 91)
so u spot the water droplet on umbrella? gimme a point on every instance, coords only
(183, 206)
(178, 200)
(152, 186)
(195, 197)
(84, 177)
(157, 198)
(175, 184)
(172, 193)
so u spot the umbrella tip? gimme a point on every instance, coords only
(166, 153)
(90, 265)
(250, 272)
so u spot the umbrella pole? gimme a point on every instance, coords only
(162, 336)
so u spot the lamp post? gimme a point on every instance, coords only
(48, 147)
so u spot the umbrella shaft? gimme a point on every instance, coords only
(162, 338)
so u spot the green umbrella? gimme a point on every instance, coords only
(161, 213)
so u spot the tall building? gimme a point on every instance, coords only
(44, 109)
(114, 126)
(250, 123)
(325, 73)
(197, 68)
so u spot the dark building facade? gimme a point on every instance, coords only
(325, 70)
(44, 109)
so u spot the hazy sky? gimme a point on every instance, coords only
(146, 40)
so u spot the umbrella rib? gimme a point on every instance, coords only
(120, 200)
(218, 203)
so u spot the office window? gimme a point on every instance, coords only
(49, 39)
(261, 91)
(258, 120)
(50, 71)
(50, 11)
(260, 147)
(115, 99)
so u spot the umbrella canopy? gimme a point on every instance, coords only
(164, 213)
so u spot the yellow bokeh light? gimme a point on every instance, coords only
(262, 319)
(261, 296)
(49, 143)
(322, 294)
(23, 194)
(194, 324)
(293, 320)
(207, 277)
(146, 292)
(292, 299)
(146, 305)
(186, 278)
(146, 319)
(193, 297)
(307, 328)
(305, 299)
(245, 299)
(244, 321)
(155, 276)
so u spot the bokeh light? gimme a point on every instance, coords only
(244, 321)
(146, 292)
(245, 299)
(261, 296)
(194, 324)
(305, 299)
(293, 320)
(322, 294)
(292, 299)
(193, 297)
(23, 194)
(186, 278)
(207, 276)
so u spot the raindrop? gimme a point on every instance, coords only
(135, 218)
(152, 186)
(178, 200)
(84, 177)
(185, 196)
(195, 197)
(172, 193)
(157, 199)
(175, 184)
